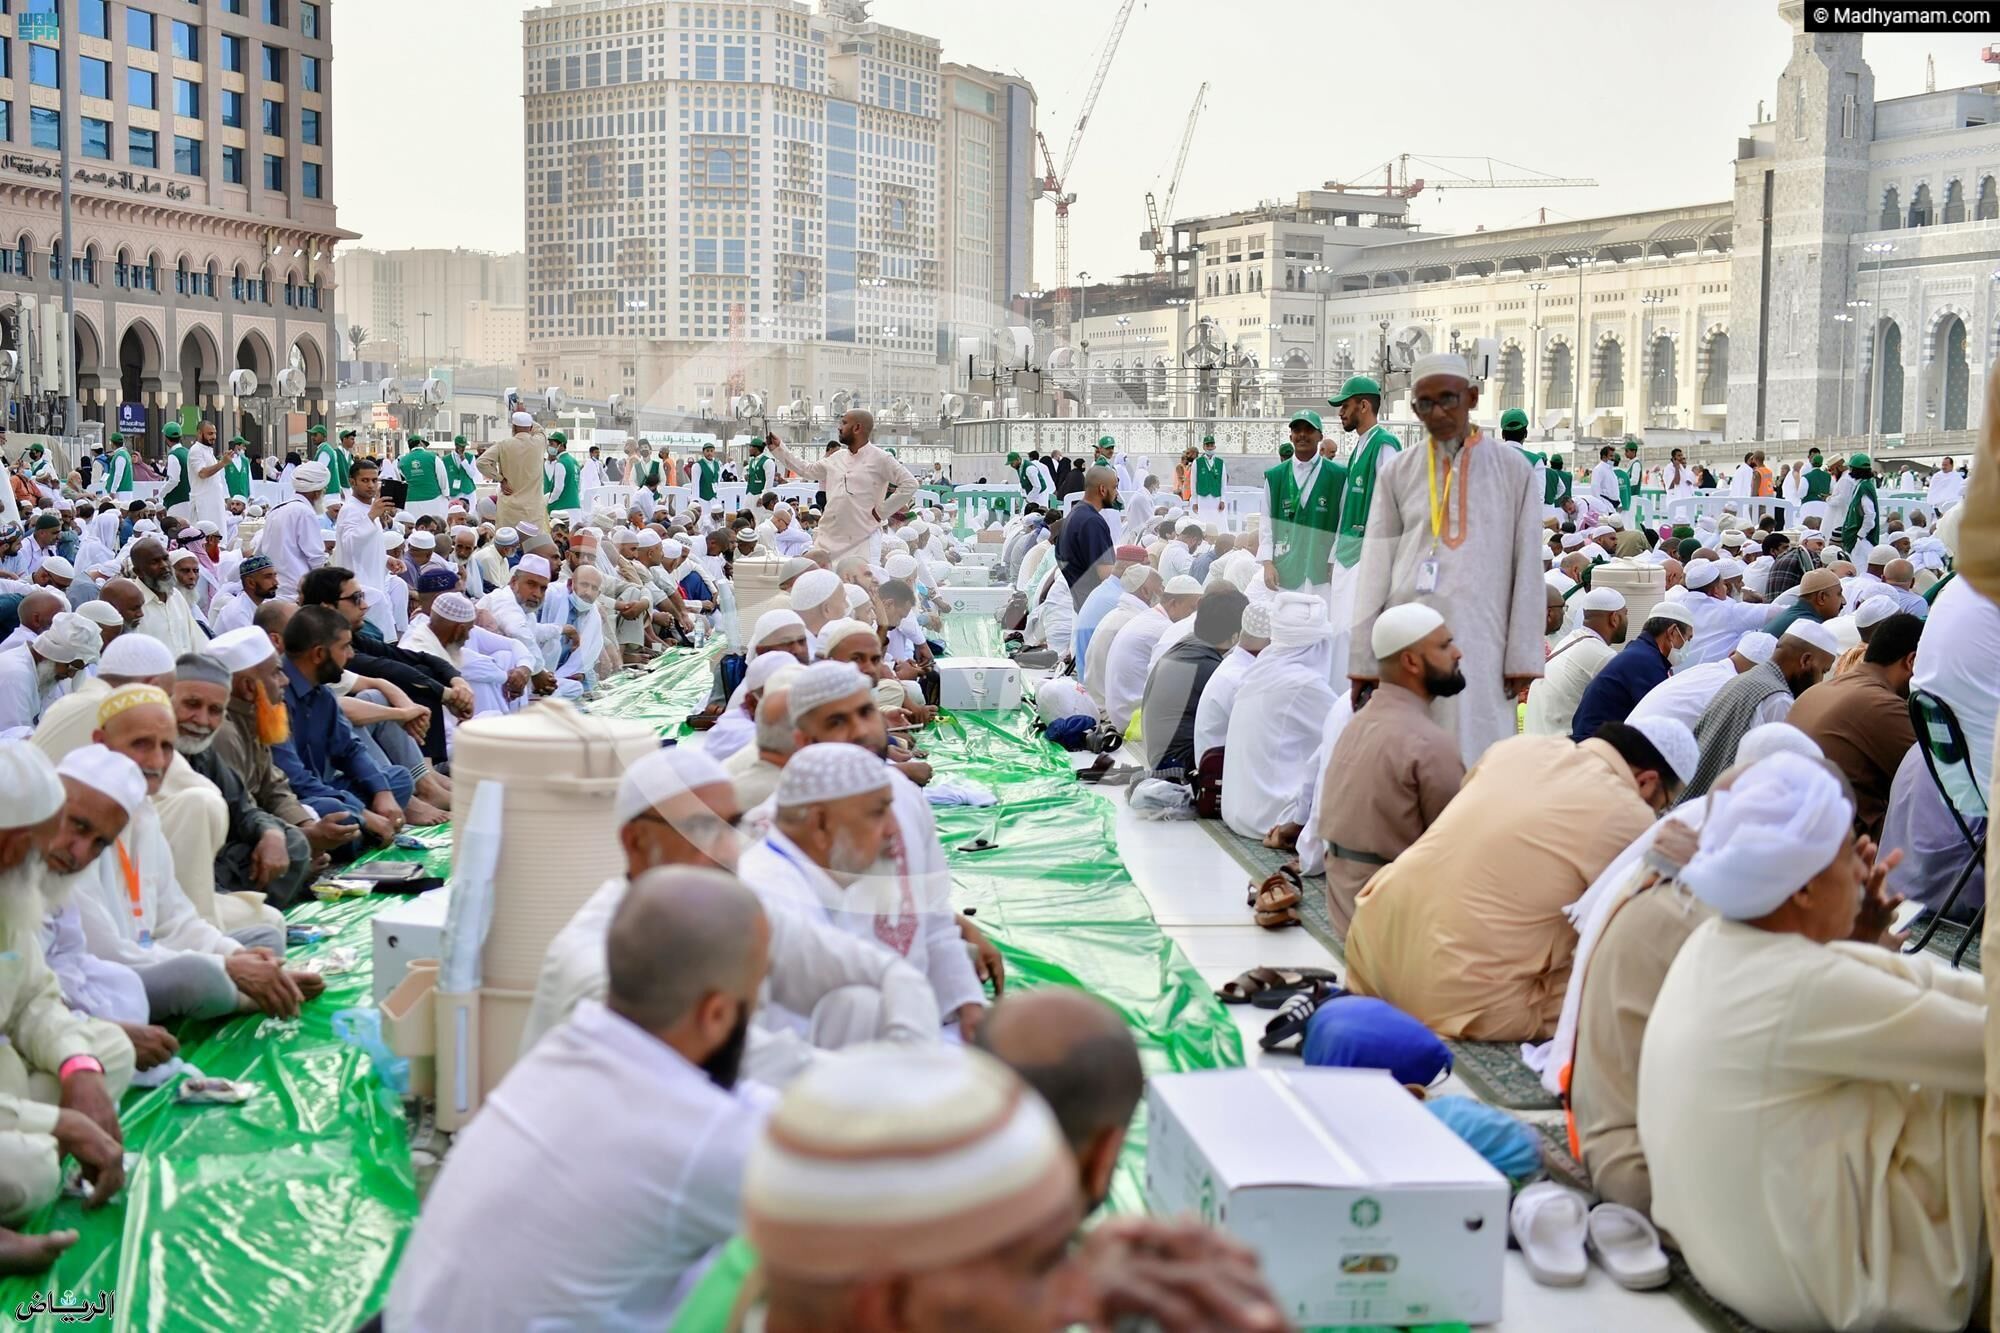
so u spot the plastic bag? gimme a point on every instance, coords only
(1156, 798)
(362, 1029)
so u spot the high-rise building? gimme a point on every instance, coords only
(417, 305)
(724, 197)
(200, 137)
(987, 174)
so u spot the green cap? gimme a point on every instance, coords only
(557, 437)
(1355, 387)
(1208, 439)
(345, 434)
(238, 439)
(1631, 445)
(321, 430)
(1106, 442)
(414, 440)
(1513, 419)
(1862, 462)
(1310, 418)
(457, 440)
(1014, 460)
(117, 438)
(172, 430)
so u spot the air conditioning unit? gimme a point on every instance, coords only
(434, 392)
(242, 383)
(552, 399)
(291, 383)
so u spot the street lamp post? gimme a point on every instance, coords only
(1535, 371)
(1646, 302)
(1881, 250)
(1083, 340)
(1579, 262)
(636, 305)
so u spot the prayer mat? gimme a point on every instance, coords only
(1260, 862)
(1496, 1074)
(1946, 941)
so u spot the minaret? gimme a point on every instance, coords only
(1798, 200)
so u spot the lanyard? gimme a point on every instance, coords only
(131, 873)
(1304, 486)
(1439, 503)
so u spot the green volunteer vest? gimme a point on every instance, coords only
(1850, 526)
(1624, 488)
(182, 488)
(1208, 470)
(420, 473)
(236, 472)
(649, 475)
(1556, 485)
(336, 468)
(458, 477)
(1303, 526)
(754, 473)
(121, 471)
(1357, 493)
(706, 472)
(1819, 483)
(569, 495)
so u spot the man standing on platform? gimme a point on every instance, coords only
(461, 473)
(865, 486)
(1819, 485)
(1606, 481)
(335, 458)
(1210, 476)
(209, 491)
(1302, 498)
(756, 472)
(177, 494)
(1860, 523)
(564, 477)
(236, 469)
(1359, 403)
(517, 461)
(1459, 530)
(705, 473)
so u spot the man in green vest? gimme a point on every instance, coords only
(460, 472)
(756, 472)
(706, 472)
(423, 475)
(1861, 526)
(1211, 474)
(177, 496)
(1819, 485)
(1628, 475)
(1359, 402)
(118, 477)
(646, 473)
(1302, 512)
(1557, 485)
(236, 468)
(335, 459)
(565, 477)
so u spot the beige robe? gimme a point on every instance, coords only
(1978, 563)
(1810, 1114)
(1552, 700)
(517, 462)
(1537, 821)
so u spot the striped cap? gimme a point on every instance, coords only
(903, 1159)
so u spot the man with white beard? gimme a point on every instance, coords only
(514, 611)
(167, 616)
(61, 1074)
(35, 675)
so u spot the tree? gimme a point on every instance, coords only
(357, 335)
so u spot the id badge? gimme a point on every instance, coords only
(145, 939)
(1427, 576)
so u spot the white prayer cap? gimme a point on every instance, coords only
(1182, 585)
(533, 564)
(393, 540)
(1257, 621)
(1440, 363)
(422, 541)
(1675, 742)
(105, 770)
(1400, 626)
(506, 537)
(828, 771)
(782, 508)
(1604, 599)
(1297, 619)
(238, 650)
(1781, 822)
(331, 537)
(857, 598)
(822, 683)
(1813, 633)
(1726, 569)
(33, 791)
(138, 656)
(649, 539)
(1614, 522)
(209, 529)
(815, 589)
(763, 668)
(671, 550)
(1059, 697)
(184, 555)
(101, 614)
(844, 629)
(1673, 611)
(1601, 530)
(310, 477)
(1701, 572)
(1881, 555)
(1136, 577)
(1573, 540)
(69, 638)
(454, 607)
(405, 518)
(1548, 556)
(1756, 647)
(902, 1158)
(1875, 610)
(58, 567)
(1775, 738)
(662, 775)
(521, 419)
(774, 624)
(461, 530)
(1731, 540)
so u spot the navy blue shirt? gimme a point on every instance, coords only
(323, 758)
(1616, 690)
(1085, 542)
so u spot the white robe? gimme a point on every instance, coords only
(1268, 754)
(1099, 653)
(1552, 700)
(1218, 698)
(208, 495)
(166, 923)
(1126, 664)
(360, 544)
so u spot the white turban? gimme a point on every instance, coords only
(1756, 647)
(310, 477)
(1400, 626)
(822, 683)
(33, 791)
(105, 770)
(1775, 738)
(772, 623)
(238, 650)
(829, 771)
(1780, 823)
(814, 589)
(69, 638)
(1298, 619)
(662, 775)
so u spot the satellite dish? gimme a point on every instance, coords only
(434, 392)
(291, 382)
(242, 383)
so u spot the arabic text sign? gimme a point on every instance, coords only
(38, 28)
(73, 1307)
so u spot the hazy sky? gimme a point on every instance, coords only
(1648, 99)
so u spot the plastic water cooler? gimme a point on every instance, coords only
(1643, 585)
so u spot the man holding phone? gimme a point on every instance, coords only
(360, 544)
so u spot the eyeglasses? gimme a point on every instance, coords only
(357, 597)
(1444, 402)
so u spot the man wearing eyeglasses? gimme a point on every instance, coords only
(1456, 525)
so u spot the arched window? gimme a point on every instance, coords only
(89, 273)
(1988, 209)
(208, 280)
(183, 279)
(1954, 203)
(1920, 207)
(264, 285)
(236, 284)
(1715, 384)
(122, 271)
(1611, 374)
(1892, 211)
(721, 168)
(899, 215)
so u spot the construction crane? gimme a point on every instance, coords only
(1155, 238)
(1055, 183)
(1397, 184)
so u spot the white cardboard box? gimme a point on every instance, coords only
(966, 576)
(410, 929)
(988, 601)
(1364, 1208)
(978, 684)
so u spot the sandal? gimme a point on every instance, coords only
(1278, 920)
(1292, 1019)
(1276, 983)
(1296, 981)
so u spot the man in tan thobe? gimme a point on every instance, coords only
(864, 485)
(518, 461)
(1394, 769)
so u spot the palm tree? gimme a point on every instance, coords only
(357, 335)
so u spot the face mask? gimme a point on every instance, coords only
(1677, 655)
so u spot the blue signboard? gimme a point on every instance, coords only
(39, 28)
(132, 418)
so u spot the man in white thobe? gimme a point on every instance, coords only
(208, 487)
(165, 613)
(1686, 695)
(1218, 697)
(1139, 507)
(1719, 620)
(1946, 487)
(515, 611)
(1275, 721)
(1552, 700)
(293, 539)
(1141, 584)
(361, 544)
(1130, 655)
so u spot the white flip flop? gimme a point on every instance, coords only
(1550, 1222)
(1627, 1246)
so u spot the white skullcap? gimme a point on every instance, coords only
(209, 529)
(815, 589)
(106, 770)
(1604, 599)
(1298, 619)
(1756, 647)
(822, 683)
(1182, 585)
(763, 668)
(533, 564)
(1875, 610)
(1440, 363)
(1814, 633)
(101, 614)
(506, 537)
(393, 540)
(1400, 626)
(238, 650)
(57, 567)
(310, 477)
(648, 539)
(782, 508)
(1881, 555)
(1673, 611)
(662, 775)
(529, 532)
(774, 623)
(423, 541)
(69, 638)
(184, 555)
(33, 791)
(671, 550)
(136, 656)
(1775, 738)
(1599, 531)
(331, 537)
(521, 419)
(857, 597)
(902, 1157)
(1572, 541)
(1136, 577)
(1675, 742)
(1701, 572)
(453, 607)
(845, 629)
(1781, 822)
(1257, 621)
(828, 771)
(1614, 522)
(461, 530)
(1059, 697)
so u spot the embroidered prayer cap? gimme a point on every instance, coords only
(1440, 363)
(1675, 742)
(822, 683)
(775, 625)
(1813, 633)
(902, 1159)
(1604, 599)
(1756, 647)
(842, 629)
(506, 537)
(135, 656)
(662, 775)
(33, 791)
(437, 579)
(239, 649)
(308, 478)
(1874, 611)
(1775, 738)
(101, 614)
(901, 565)
(815, 589)
(455, 607)
(69, 638)
(127, 697)
(829, 771)
(57, 567)
(533, 564)
(1701, 572)
(1257, 621)
(1398, 627)
(1780, 823)
(1297, 619)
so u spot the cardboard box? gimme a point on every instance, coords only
(978, 684)
(986, 601)
(1364, 1208)
(966, 576)
(410, 929)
